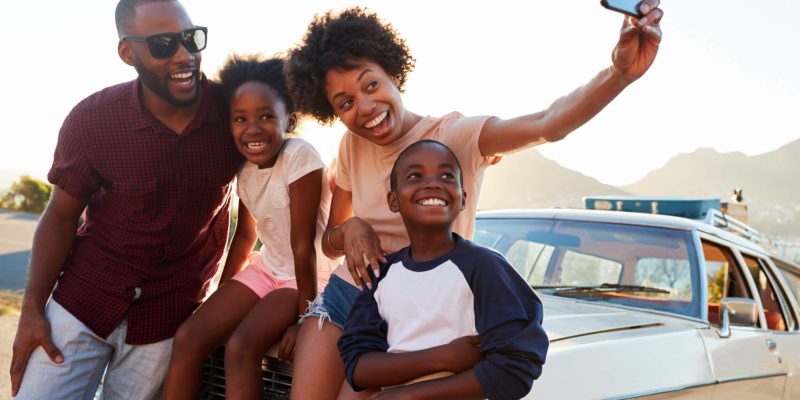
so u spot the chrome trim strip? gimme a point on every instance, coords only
(691, 386)
(662, 391)
(622, 328)
(753, 377)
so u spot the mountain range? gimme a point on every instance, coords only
(529, 180)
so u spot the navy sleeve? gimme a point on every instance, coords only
(364, 332)
(508, 318)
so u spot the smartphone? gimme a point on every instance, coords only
(627, 7)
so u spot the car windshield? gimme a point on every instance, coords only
(637, 266)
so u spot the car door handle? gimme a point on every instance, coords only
(771, 345)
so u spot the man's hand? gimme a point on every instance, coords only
(638, 41)
(33, 331)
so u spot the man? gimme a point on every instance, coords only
(150, 161)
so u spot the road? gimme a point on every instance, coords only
(16, 235)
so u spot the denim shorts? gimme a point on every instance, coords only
(335, 302)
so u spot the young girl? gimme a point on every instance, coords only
(353, 67)
(284, 201)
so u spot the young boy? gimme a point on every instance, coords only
(440, 288)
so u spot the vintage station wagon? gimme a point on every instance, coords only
(652, 306)
(642, 306)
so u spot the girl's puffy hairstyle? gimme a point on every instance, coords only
(339, 41)
(238, 70)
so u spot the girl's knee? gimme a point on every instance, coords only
(239, 349)
(188, 342)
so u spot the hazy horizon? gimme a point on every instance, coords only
(8, 176)
(730, 86)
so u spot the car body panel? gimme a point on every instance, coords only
(613, 364)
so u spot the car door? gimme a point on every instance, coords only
(745, 364)
(783, 280)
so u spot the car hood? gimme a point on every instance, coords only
(567, 318)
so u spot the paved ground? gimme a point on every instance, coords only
(8, 327)
(16, 235)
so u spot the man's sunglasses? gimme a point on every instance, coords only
(165, 45)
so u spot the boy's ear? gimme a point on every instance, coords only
(126, 53)
(391, 198)
(291, 124)
(463, 201)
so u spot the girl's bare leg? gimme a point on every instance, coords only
(259, 330)
(201, 333)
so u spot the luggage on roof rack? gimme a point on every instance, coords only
(692, 208)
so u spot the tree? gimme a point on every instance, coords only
(27, 194)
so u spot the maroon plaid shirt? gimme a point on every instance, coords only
(156, 222)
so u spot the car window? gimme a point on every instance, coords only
(638, 266)
(791, 276)
(666, 273)
(530, 259)
(724, 278)
(772, 303)
(586, 269)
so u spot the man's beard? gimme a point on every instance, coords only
(159, 87)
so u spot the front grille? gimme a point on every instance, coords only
(276, 378)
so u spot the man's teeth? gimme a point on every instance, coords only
(257, 146)
(377, 120)
(182, 75)
(433, 202)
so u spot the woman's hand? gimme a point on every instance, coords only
(638, 41)
(362, 248)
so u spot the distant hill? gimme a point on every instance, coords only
(529, 180)
(769, 183)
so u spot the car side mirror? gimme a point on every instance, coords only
(736, 311)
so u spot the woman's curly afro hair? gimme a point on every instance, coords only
(337, 41)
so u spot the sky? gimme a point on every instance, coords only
(725, 77)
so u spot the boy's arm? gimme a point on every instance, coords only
(463, 385)
(508, 317)
(632, 57)
(363, 348)
(364, 333)
(244, 238)
(382, 369)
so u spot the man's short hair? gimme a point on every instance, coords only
(126, 10)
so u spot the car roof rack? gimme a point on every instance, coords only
(719, 219)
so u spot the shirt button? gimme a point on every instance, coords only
(137, 292)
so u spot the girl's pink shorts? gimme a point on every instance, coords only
(257, 277)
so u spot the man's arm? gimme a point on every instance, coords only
(51, 245)
(632, 57)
